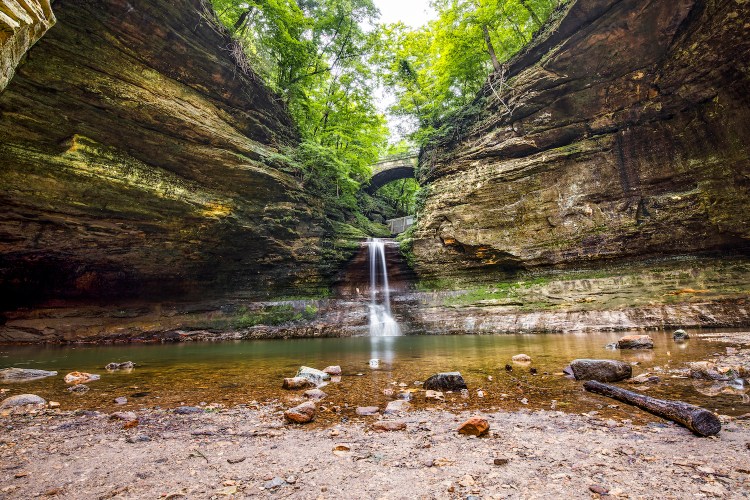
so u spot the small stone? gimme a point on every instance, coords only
(291, 479)
(680, 335)
(398, 406)
(80, 377)
(138, 438)
(467, 481)
(332, 370)
(127, 416)
(367, 410)
(446, 381)
(521, 358)
(295, 383)
(126, 365)
(500, 461)
(187, 410)
(315, 394)
(121, 400)
(475, 426)
(22, 400)
(636, 342)
(598, 489)
(389, 425)
(54, 404)
(480, 394)
(508, 368)
(79, 388)
(301, 414)
(436, 395)
(643, 378)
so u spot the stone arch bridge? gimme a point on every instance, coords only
(392, 169)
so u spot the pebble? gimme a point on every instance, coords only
(437, 395)
(332, 370)
(127, 416)
(121, 400)
(276, 482)
(315, 394)
(389, 425)
(398, 406)
(367, 410)
(79, 388)
(521, 358)
(598, 489)
(501, 461)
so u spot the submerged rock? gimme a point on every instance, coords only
(23, 374)
(635, 342)
(521, 358)
(475, 426)
(295, 383)
(315, 394)
(398, 406)
(680, 335)
(602, 370)
(436, 395)
(644, 378)
(121, 400)
(301, 414)
(22, 400)
(365, 411)
(80, 377)
(706, 370)
(79, 388)
(125, 365)
(447, 381)
(317, 377)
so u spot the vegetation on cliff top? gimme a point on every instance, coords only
(327, 58)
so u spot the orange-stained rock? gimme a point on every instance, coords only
(389, 425)
(475, 426)
(294, 383)
(301, 414)
(80, 377)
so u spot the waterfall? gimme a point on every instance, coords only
(382, 323)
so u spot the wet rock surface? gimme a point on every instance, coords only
(23, 374)
(635, 342)
(22, 400)
(447, 381)
(602, 370)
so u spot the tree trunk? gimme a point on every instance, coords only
(490, 47)
(531, 12)
(695, 418)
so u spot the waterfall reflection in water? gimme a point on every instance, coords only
(382, 323)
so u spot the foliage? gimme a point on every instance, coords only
(314, 54)
(438, 69)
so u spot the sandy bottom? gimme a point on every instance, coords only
(250, 452)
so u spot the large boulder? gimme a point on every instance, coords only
(602, 370)
(636, 342)
(22, 400)
(317, 377)
(23, 374)
(447, 381)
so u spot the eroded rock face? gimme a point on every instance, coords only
(620, 133)
(22, 23)
(140, 158)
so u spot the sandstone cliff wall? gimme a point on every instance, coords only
(139, 158)
(22, 23)
(621, 133)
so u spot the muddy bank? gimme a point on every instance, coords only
(249, 451)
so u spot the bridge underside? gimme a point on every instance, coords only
(392, 174)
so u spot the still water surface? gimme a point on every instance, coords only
(242, 372)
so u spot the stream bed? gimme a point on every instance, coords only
(250, 372)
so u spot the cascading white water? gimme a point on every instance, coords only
(382, 323)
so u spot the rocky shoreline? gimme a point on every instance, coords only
(249, 451)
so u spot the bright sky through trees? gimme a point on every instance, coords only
(412, 13)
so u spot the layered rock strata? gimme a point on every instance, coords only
(22, 23)
(621, 133)
(142, 158)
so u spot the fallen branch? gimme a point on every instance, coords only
(695, 418)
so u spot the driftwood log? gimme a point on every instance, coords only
(697, 419)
